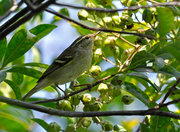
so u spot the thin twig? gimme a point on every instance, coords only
(86, 114)
(115, 10)
(123, 39)
(107, 60)
(97, 29)
(11, 27)
(168, 103)
(170, 91)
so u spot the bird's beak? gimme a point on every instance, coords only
(95, 34)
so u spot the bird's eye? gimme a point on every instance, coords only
(86, 37)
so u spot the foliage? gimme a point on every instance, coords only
(134, 60)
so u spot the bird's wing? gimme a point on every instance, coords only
(64, 59)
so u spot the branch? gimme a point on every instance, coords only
(86, 114)
(97, 29)
(169, 103)
(170, 91)
(115, 10)
(75, 92)
(11, 25)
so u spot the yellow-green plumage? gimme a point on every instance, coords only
(69, 65)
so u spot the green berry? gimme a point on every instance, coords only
(118, 79)
(96, 106)
(97, 54)
(85, 122)
(127, 99)
(95, 70)
(115, 91)
(102, 88)
(107, 126)
(64, 105)
(83, 15)
(74, 100)
(147, 15)
(53, 127)
(98, 42)
(86, 98)
(108, 21)
(90, 4)
(116, 19)
(124, 2)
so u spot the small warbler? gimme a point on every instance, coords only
(69, 65)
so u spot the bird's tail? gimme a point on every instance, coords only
(31, 92)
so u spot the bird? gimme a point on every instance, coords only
(70, 64)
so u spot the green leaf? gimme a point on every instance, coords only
(125, 45)
(81, 30)
(17, 78)
(42, 30)
(2, 75)
(3, 44)
(141, 58)
(174, 49)
(138, 93)
(166, 21)
(18, 45)
(21, 42)
(64, 11)
(108, 72)
(158, 121)
(171, 71)
(14, 87)
(144, 77)
(144, 127)
(41, 123)
(26, 71)
(14, 119)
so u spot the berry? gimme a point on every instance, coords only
(147, 15)
(86, 98)
(83, 15)
(85, 122)
(53, 127)
(127, 99)
(64, 105)
(107, 126)
(102, 88)
(118, 79)
(95, 70)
